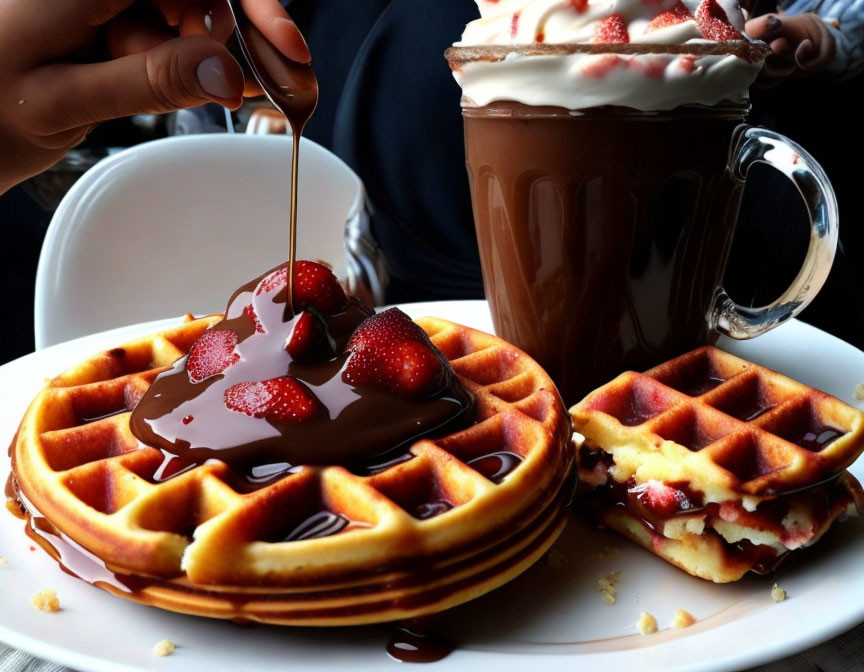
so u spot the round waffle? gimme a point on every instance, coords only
(195, 544)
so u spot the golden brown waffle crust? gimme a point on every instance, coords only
(707, 555)
(735, 460)
(198, 537)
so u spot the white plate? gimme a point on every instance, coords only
(548, 619)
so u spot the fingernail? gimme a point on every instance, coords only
(211, 76)
(773, 24)
(296, 47)
(805, 52)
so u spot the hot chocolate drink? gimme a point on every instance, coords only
(607, 156)
(594, 262)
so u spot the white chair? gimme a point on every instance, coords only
(174, 226)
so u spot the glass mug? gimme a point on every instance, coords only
(604, 234)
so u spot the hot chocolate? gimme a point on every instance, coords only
(607, 156)
(594, 260)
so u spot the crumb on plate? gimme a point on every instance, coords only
(777, 593)
(46, 600)
(682, 619)
(606, 586)
(647, 624)
(607, 552)
(859, 392)
(164, 648)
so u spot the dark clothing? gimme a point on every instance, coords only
(390, 108)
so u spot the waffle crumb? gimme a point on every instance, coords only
(46, 600)
(164, 648)
(4, 559)
(608, 552)
(606, 586)
(859, 392)
(556, 559)
(647, 624)
(777, 593)
(682, 619)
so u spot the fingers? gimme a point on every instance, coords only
(766, 27)
(183, 72)
(102, 11)
(807, 42)
(134, 32)
(275, 24)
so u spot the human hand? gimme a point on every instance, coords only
(67, 66)
(800, 44)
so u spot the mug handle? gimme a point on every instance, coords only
(761, 145)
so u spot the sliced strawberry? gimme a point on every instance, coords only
(661, 498)
(688, 63)
(611, 30)
(390, 352)
(602, 65)
(714, 24)
(276, 399)
(309, 339)
(315, 286)
(671, 17)
(211, 354)
(249, 312)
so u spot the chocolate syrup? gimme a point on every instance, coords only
(495, 466)
(816, 438)
(321, 524)
(604, 234)
(293, 89)
(428, 510)
(352, 426)
(411, 647)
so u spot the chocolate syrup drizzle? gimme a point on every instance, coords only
(353, 427)
(293, 89)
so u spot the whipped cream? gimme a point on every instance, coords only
(655, 81)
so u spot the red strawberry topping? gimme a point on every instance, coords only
(390, 352)
(249, 312)
(713, 22)
(671, 17)
(308, 339)
(211, 354)
(602, 65)
(661, 498)
(315, 286)
(282, 398)
(611, 30)
(579, 5)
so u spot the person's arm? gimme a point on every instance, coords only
(67, 66)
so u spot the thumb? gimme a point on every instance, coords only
(183, 72)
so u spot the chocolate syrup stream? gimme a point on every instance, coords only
(293, 90)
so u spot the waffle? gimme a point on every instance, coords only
(723, 466)
(195, 544)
